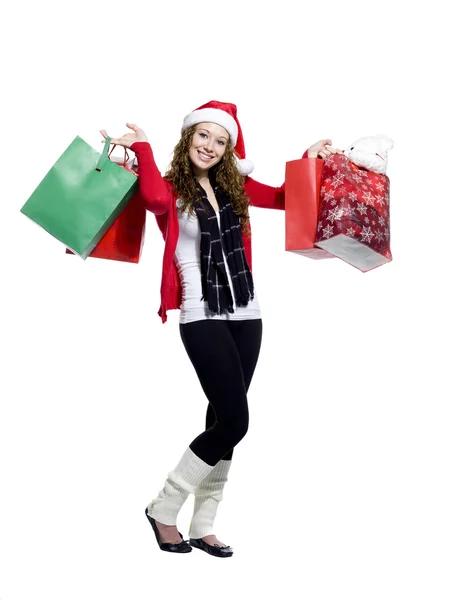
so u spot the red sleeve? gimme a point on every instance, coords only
(154, 190)
(266, 196)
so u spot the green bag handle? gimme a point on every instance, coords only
(104, 156)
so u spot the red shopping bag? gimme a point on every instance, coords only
(301, 193)
(354, 214)
(124, 240)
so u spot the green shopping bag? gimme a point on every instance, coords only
(81, 196)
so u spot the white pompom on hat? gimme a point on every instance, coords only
(224, 114)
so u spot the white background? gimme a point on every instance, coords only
(340, 488)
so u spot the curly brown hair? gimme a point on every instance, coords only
(181, 176)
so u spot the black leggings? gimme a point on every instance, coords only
(224, 355)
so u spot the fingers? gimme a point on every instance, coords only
(105, 135)
(132, 126)
(113, 141)
(118, 142)
(327, 149)
(323, 151)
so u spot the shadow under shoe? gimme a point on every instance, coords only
(216, 550)
(181, 548)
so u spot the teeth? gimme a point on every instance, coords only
(205, 155)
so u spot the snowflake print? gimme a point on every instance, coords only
(366, 220)
(368, 198)
(380, 186)
(319, 226)
(351, 232)
(328, 231)
(338, 180)
(335, 214)
(378, 236)
(328, 196)
(381, 220)
(362, 209)
(353, 197)
(380, 200)
(349, 211)
(366, 234)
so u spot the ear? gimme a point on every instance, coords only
(388, 144)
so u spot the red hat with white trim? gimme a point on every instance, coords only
(224, 114)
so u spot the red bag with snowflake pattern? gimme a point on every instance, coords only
(353, 218)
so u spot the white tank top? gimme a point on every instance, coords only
(187, 260)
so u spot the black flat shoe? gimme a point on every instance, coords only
(216, 550)
(181, 547)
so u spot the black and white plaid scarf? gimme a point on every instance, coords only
(215, 284)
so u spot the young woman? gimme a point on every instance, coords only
(201, 207)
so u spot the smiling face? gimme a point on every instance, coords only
(207, 147)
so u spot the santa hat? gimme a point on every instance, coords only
(224, 114)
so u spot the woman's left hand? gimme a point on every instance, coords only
(321, 149)
(128, 139)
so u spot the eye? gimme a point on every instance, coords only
(222, 142)
(352, 147)
(202, 134)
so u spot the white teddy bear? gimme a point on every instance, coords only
(370, 152)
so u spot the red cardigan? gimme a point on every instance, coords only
(160, 198)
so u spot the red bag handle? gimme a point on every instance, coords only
(126, 156)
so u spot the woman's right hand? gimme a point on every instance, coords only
(128, 139)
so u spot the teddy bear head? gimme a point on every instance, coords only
(370, 152)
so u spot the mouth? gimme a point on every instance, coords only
(205, 157)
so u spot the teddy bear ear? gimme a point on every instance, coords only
(387, 142)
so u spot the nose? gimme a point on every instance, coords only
(208, 146)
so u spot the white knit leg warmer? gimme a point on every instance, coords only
(181, 482)
(207, 498)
